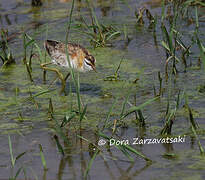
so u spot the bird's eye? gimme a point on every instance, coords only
(87, 62)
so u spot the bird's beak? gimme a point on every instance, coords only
(94, 68)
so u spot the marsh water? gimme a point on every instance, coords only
(27, 121)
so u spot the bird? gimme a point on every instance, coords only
(80, 58)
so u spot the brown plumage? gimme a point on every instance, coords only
(79, 57)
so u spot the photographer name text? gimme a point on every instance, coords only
(138, 141)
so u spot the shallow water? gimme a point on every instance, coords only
(27, 121)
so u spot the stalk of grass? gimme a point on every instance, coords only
(160, 83)
(136, 108)
(135, 103)
(60, 132)
(17, 173)
(90, 163)
(168, 124)
(5, 53)
(115, 76)
(78, 92)
(125, 152)
(139, 16)
(25, 46)
(125, 147)
(169, 38)
(138, 115)
(50, 109)
(199, 43)
(83, 113)
(67, 119)
(100, 34)
(141, 118)
(76, 81)
(38, 94)
(87, 140)
(198, 141)
(163, 10)
(37, 47)
(124, 104)
(93, 157)
(197, 18)
(194, 126)
(108, 115)
(155, 92)
(178, 100)
(34, 174)
(24, 172)
(95, 18)
(60, 148)
(43, 160)
(202, 51)
(13, 160)
(191, 118)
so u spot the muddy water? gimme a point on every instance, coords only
(27, 121)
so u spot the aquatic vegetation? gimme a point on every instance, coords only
(14, 159)
(5, 51)
(36, 3)
(99, 34)
(146, 87)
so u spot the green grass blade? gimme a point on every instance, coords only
(136, 108)
(60, 132)
(164, 44)
(67, 119)
(83, 113)
(124, 104)
(202, 51)
(168, 38)
(108, 115)
(197, 17)
(163, 10)
(13, 160)
(60, 148)
(127, 147)
(29, 43)
(42, 157)
(113, 35)
(136, 152)
(90, 163)
(199, 143)
(20, 155)
(17, 173)
(124, 151)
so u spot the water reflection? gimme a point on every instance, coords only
(105, 6)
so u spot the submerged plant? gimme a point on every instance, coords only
(5, 51)
(14, 159)
(36, 3)
(100, 34)
(140, 17)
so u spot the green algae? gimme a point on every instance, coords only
(199, 165)
(20, 102)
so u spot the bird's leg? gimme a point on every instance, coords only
(60, 75)
(43, 65)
